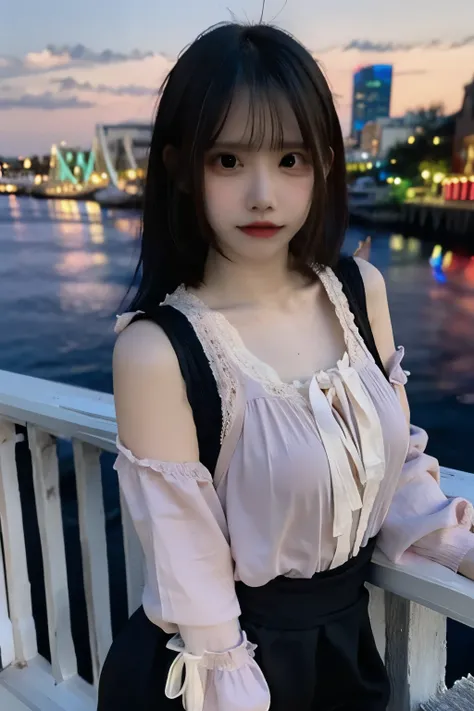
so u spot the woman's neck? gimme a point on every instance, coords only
(231, 284)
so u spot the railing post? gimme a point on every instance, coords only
(18, 583)
(44, 461)
(415, 654)
(94, 551)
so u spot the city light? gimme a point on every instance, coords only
(438, 178)
(436, 140)
(411, 140)
(398, 181)
(27, 164)
(426, 174)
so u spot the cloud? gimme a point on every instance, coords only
(46, 101)
(55, 56)
(45, 60)
(371, 46)
(81, 53)
(71, 84)
(364, 45)
(464, 42)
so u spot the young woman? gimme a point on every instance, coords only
(256, 552)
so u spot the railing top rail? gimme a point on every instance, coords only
(61, 409)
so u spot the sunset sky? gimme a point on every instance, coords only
(65, 66)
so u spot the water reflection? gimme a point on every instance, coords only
(129, 226)
(77, 261)
(74, 230)
(88, 297)
(93, 211)
(96, 231)
(14, 205)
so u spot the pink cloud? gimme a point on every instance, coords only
(45, 59)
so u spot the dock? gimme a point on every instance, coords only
(436, 216)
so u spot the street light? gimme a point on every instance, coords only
(436, 141)
(411, 140)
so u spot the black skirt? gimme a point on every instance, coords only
(315, 647)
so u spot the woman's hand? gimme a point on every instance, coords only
(467, 565)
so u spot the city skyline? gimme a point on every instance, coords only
(62, 74)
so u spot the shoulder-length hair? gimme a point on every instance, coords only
(195, 99)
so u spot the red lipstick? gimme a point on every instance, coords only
(260, 229)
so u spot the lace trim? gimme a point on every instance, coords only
(224, 346)
(228, 347)
(172, 470)
(212, 342)
(355, 344)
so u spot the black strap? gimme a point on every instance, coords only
(349, 274)
(201, 388)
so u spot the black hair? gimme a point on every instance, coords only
(195, 100)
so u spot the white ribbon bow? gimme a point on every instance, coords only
(342, 444)
(191, 688)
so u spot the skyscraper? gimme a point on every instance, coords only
(371, 96)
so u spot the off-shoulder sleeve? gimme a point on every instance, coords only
(182, 527)
(421, 518)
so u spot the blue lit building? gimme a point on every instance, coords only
(371, 96)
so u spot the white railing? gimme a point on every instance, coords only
(410, 602)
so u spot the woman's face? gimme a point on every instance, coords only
(246, 188)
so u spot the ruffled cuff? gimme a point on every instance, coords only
(229, 680)
(447, 547)
(396, 374)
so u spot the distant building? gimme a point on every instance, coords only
(121, 150)
(69, 164)
(377, 138)
(463, 158)
(372, 90)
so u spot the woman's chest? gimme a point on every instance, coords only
(292, 344)
(292, 453)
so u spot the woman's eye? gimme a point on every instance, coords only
(291, 160)
(227, 161)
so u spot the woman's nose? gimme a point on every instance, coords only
(261, 192)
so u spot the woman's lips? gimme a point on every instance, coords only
(260, 229)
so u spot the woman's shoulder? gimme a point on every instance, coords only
(373, 278)
(153, 414)
(143, 357)
(142, 343)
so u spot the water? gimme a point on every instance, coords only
(65, 267)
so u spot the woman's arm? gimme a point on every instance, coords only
(421, 517)
(179, 518)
